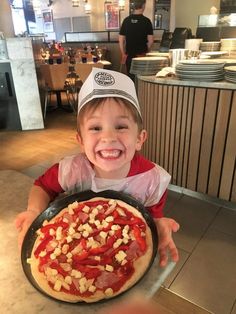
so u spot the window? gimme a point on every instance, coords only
(18, 17)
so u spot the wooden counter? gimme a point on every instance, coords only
(192, 132)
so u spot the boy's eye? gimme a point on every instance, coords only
(121, 127)
(95, 128)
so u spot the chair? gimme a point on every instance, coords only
(83, 69)
(179, 36)
(54, 77)
(165, 41)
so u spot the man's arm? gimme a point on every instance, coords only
(150, 41)
(122, 45)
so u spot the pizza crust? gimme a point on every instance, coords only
(140, 265)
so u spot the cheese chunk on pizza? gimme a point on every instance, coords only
(91, 250)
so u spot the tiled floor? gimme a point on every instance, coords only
(205, 277)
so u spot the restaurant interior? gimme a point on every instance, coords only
(187, 92)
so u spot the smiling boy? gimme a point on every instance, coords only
(110, 134)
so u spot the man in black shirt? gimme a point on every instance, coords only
(136, 35)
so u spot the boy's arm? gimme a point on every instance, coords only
(157, 210)
(38, 201)
(165, 227)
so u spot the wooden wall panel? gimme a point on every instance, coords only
(196, 133)
(219, 142)
(192, 134)
(233, 190)
(189, 120)
(183, 121)
(172, 131)
(210, 112)
(177, 134)
(226, 183)
(168, 126)
(163, 123)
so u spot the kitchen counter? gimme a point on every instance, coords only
(174, 81)
(16, 293)
(191, 132)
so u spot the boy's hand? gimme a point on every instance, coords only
(165, 227)
(22, 223)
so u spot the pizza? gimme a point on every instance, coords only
(91, 250)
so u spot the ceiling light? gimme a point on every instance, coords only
(75, 3)
(121, 4)
(87, 7)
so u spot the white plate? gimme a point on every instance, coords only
(157, 54)
(201, 79)
(149, 58)
(214, 53)
(218, 72)
(202, 62)
(231, 68)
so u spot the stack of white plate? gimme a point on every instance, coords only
(214, 54)
(227, 61)
(230, 73)
(229, 44)
(157, 54)
(210, 46)
(200, 70)
(148, 65)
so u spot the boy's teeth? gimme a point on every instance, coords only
(110, 153)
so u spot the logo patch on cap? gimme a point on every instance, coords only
(104, 79)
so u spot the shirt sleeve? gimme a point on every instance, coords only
(123, 28)
(49, 182)
(150, 28)
(157, 210)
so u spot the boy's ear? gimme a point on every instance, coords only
(141, 139)
(79, 139)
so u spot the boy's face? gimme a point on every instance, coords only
(109, 137)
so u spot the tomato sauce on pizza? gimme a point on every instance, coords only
(91, 250)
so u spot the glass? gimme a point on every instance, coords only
(84, 59)
(99, 53)
(95, 59)
(43, 54)
(162, 14)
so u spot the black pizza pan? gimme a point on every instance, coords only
(60, 204)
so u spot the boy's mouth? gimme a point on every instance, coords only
(110, 153)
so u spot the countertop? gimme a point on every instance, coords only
(16, 293)
(175, 81)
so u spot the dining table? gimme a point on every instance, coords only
(17, 295)
(72, 82)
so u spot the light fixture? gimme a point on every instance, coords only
(37, 6)
(75, 3)
(87, 7)
(121, 4)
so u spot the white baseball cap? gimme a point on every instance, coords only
(103, 83)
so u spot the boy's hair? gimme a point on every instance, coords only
(95, 103)
(138, 4)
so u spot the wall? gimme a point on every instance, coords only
(6, 24)
(188, 17)
(63, 8)
(97, 18)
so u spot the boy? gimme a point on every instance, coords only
(110, 133)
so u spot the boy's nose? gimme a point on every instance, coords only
(109, 135)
